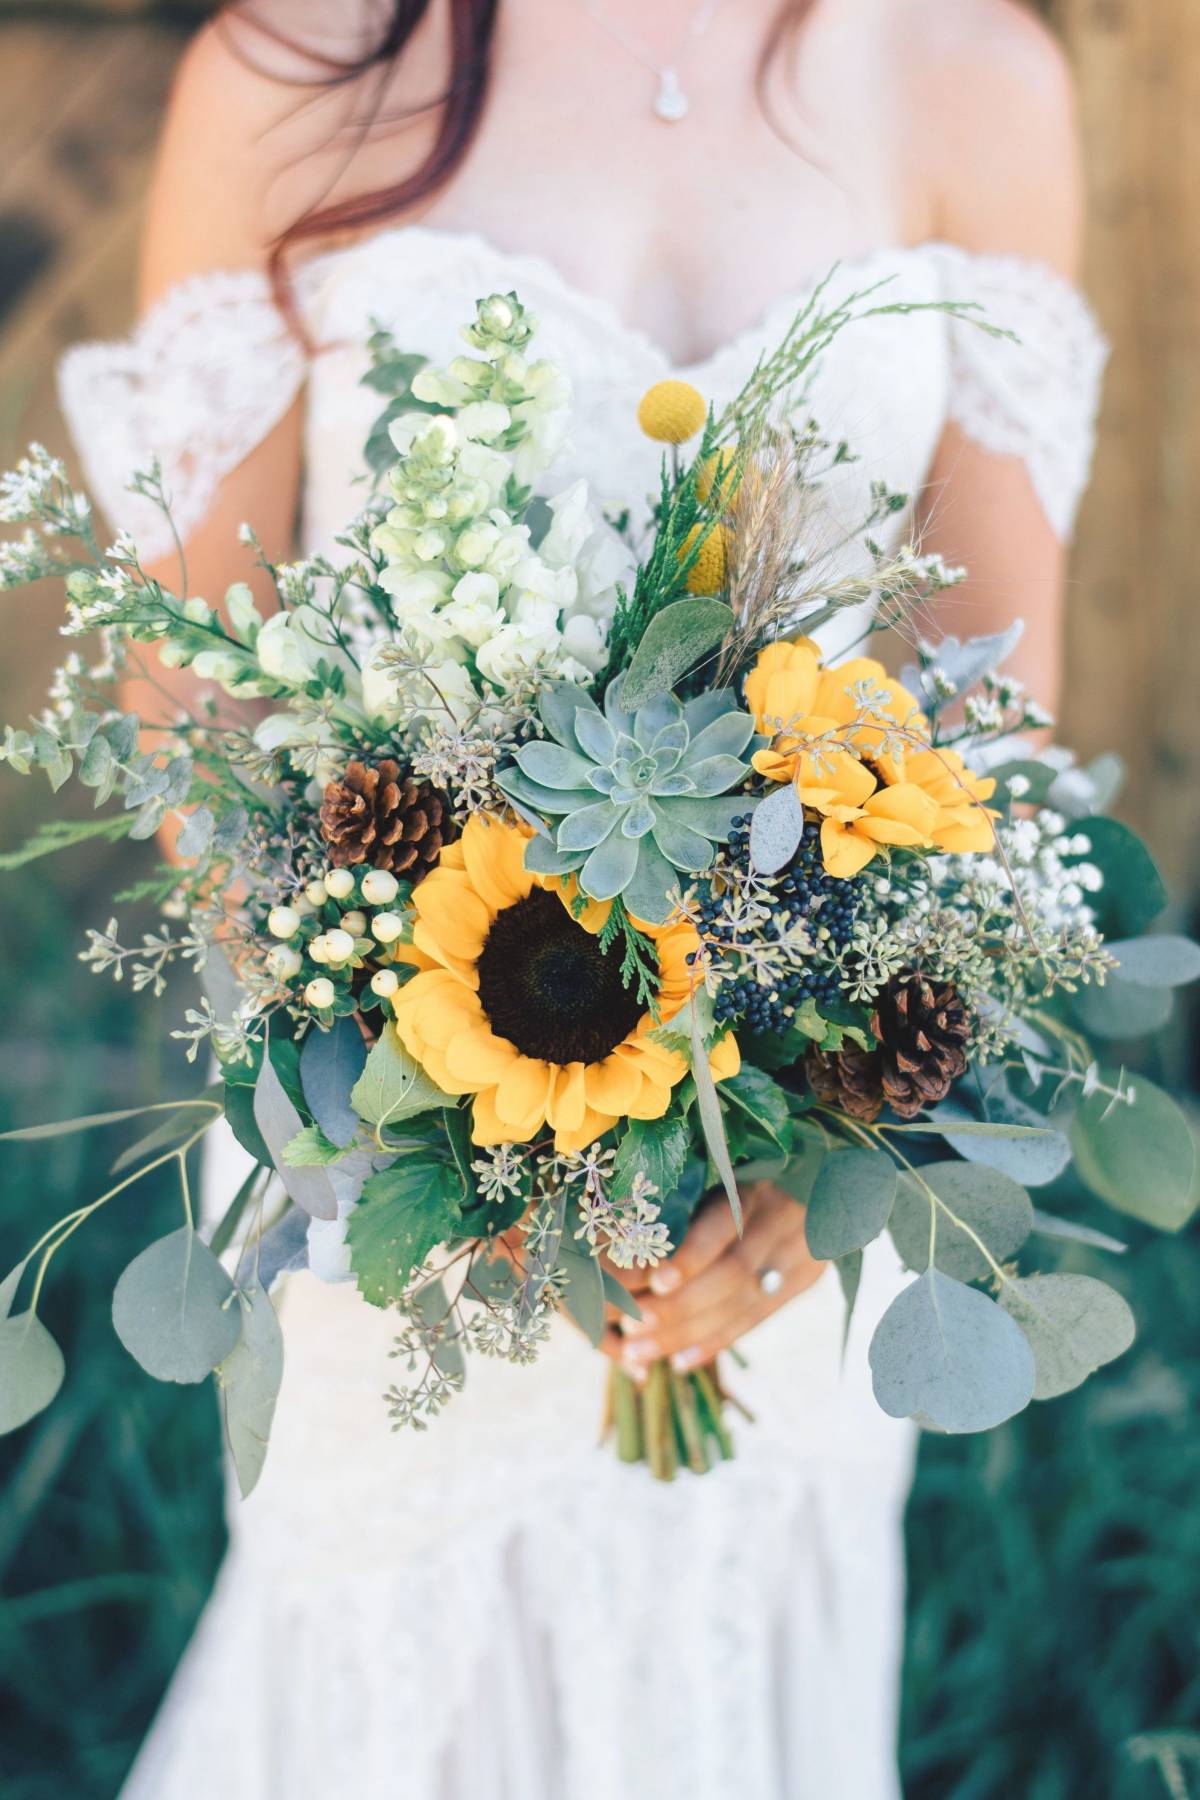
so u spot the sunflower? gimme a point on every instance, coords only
(835, 737)
(516, 1003)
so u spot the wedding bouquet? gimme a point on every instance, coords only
(564, 883)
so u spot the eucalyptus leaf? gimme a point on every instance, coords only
(196, 833)
(1121, 1009)
(1073, 1323)
(392, 1085)
(849, 1274)
(1157, 962)
(619, 1296)
(990, 1204)
(9, 1286)
(31, 1366)
(799, 1174)
(776, 829)
(947, 1354)
(672, 643)
(1140, 1157)
(28, 1134)
(850, 1203)
(330, 1065)
(279, 1123)
(1021, 1144)
(1051, 1225)
(711, 1122)
(282, 1249)
(583, 1296)
(965, 664)
(172, 1309)
(1133, 894)
(249, 1380)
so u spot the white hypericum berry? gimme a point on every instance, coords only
(380, 887)
(384, 982)
(355, 923)
(339, 946)
(387, 926)
(283, 921)
(284, 962)
(316, 893)
(317, 949)
(339, 884)
(320, 993)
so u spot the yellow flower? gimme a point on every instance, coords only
(516, 1004)
(707, 574)
(672, 411)
(963, 823)
(788, 685)
(719, 478)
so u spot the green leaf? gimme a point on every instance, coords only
(392, 1086)
(63, 1127)
(992, 1205)
(1051, 1225)
(1019, 1141)
(1156, 962)
(311, 1149)
(170, 1132)
(762, 1101)
(776, 829)
(249, 1380)
(657, 1148)
(9, 1286)
(674, 640)
(799, 1174)
(619, 1296)
(849, 1274)
(711, 1122)
(1133, 894)
(239, 1110)
(1073, 1324)
(61, 834)
(331, 1062)
(31, 1368)
(850, 1203)
(196, 833)
(280, 1123)
(172, 1309)
(583, 1296)
(945, 1354)
(405, 1212)
(1120, 1009)
(1141, 1158)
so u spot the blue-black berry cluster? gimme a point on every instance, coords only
(804, 890)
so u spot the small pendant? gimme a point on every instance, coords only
(671, 102)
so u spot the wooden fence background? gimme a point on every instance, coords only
(80, 95)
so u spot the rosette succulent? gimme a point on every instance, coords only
(631, 801)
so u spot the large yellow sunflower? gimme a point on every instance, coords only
(516, 1004)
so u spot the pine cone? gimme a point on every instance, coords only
(849, 1079)
(377, 815)
(922, 1027)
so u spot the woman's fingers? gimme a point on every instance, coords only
(709, 1236)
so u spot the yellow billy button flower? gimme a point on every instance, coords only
(708, 573)
(671, 412)
(718, 478)
(516, 1004)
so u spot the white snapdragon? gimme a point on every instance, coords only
(474, 613)
(482, 421)
(290, 645)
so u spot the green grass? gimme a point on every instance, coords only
(1055, 1564)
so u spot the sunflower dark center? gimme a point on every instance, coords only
(546, 985)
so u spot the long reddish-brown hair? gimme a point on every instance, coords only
(459, 108)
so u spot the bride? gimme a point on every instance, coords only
(498, 1607)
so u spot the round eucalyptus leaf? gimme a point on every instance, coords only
(1033, 1157)
(991, 1204)
(249, 1380)
(1133, 894)
(31, 1369)
(172, 1309)
(1161, 961)
(946, 1353)
(1121, 1009)
(1073, 1323)
(850, 1202)
(1140, 1157)
(330, 1064)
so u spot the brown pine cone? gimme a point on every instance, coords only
(849, 1079)
(922, 1027)
(377, 815)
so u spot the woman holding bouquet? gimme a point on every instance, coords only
(497, 1606)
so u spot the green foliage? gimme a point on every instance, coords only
(1133, 894)
(405, 1212)
(392, 1087)
(31, 1369)
(172, 1311)
(945, 1354)
(249, 1380)
(947, 1206)
(673, 642)
(1074, 1324)
(1141, 1158)
(850, 1202)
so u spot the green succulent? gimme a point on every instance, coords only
(629, 801)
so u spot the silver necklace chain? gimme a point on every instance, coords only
(670, 102)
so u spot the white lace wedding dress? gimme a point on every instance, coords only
(498, 1608)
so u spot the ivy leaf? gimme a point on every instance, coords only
(172, 1309)
(249, 1380)
(404, 1213)
(656, 1148)
(392, 1085)
(850, 1203)
(1141, 1158)
(995, 1207)
(31, 1366)
(947, 1355)
(330, 1065)
(674, 640)
(1074, 1324)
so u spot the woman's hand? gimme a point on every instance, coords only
(712, 1291)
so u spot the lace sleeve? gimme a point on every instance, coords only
(1037, 399)
(201, 380)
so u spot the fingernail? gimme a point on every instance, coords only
(639, 1351)
(686, 1359)
(665, 1281)
(634, 1327)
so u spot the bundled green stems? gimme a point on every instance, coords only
(671, 1420)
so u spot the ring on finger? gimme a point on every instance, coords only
(770, 1280)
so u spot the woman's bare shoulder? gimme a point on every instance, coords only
(994, 126)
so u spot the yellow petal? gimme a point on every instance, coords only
(612, 1086)
(899, 815)
(593, 1126)
(477, 1055)
(494, 856)
(842, 851)
(725, 1058)
(487, 1127)
(568, 1103)
(524, 1089)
